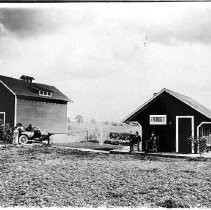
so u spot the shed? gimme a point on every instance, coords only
(173, 117)
(43, 106)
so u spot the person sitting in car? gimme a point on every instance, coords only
(29, 128)
(19, 127)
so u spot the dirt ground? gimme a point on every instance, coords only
(49, 176)
(90, 145)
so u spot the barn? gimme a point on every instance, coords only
(173, 117)
(22, 100)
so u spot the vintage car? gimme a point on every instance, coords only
(23, 136)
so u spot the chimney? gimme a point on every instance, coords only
(27, 79)
(154, 94)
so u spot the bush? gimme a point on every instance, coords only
(107, 142)
(199, 144)
(6, 133)
(92, 138)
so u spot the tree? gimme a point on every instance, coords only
(106, 123)
(79, 119)
(68, 120)
(93, 121)
(68, 125)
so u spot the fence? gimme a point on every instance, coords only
(70, 137)
(97, 132)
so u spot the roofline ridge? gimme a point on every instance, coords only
(5, 79)
(189, 104)
(144, 104)
(7, 87)
(173, 94)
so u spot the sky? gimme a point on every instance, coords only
(109, 58)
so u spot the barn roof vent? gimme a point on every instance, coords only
(27, 78)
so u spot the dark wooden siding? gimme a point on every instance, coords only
(166, 104)
(7, 104)
(49, 117)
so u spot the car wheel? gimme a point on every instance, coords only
(23, 139)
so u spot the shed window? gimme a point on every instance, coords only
(157, 119)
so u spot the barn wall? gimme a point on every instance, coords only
(7, 104)
(49, 117)
(166, 104)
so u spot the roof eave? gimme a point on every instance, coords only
(142, 106)
(27, 97)
(151, 99)
(69, 100)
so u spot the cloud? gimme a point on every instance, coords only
(192, 27)
(3, 30)
(97, 57)
(165, 27)
(22, 22)
(167, 24)
(32, 21)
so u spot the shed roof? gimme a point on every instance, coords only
(21, 88)
(185, 99)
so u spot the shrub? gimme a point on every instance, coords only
(199, 144)
(107, 141)
(92, 138)
(6, 133)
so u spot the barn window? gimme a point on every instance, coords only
(45, 93)
(157, 120)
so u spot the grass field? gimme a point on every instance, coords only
(50, 176)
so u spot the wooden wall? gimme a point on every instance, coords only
(7, 104)
(166, 104)
(49, 117)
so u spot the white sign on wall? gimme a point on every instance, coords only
(157, 120)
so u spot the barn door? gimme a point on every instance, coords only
(184, 131)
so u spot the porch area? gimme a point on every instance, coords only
(204, 130)
(125, 150)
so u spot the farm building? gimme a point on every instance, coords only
(173, 117)
(43, 106)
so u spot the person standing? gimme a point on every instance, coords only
(152, 143)
(132, 141)
(136, 139)
(19, 127)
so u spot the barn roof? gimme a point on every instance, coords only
(185, 99)
(21, 88)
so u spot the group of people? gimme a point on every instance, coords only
(151, 144)
(20, 127)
